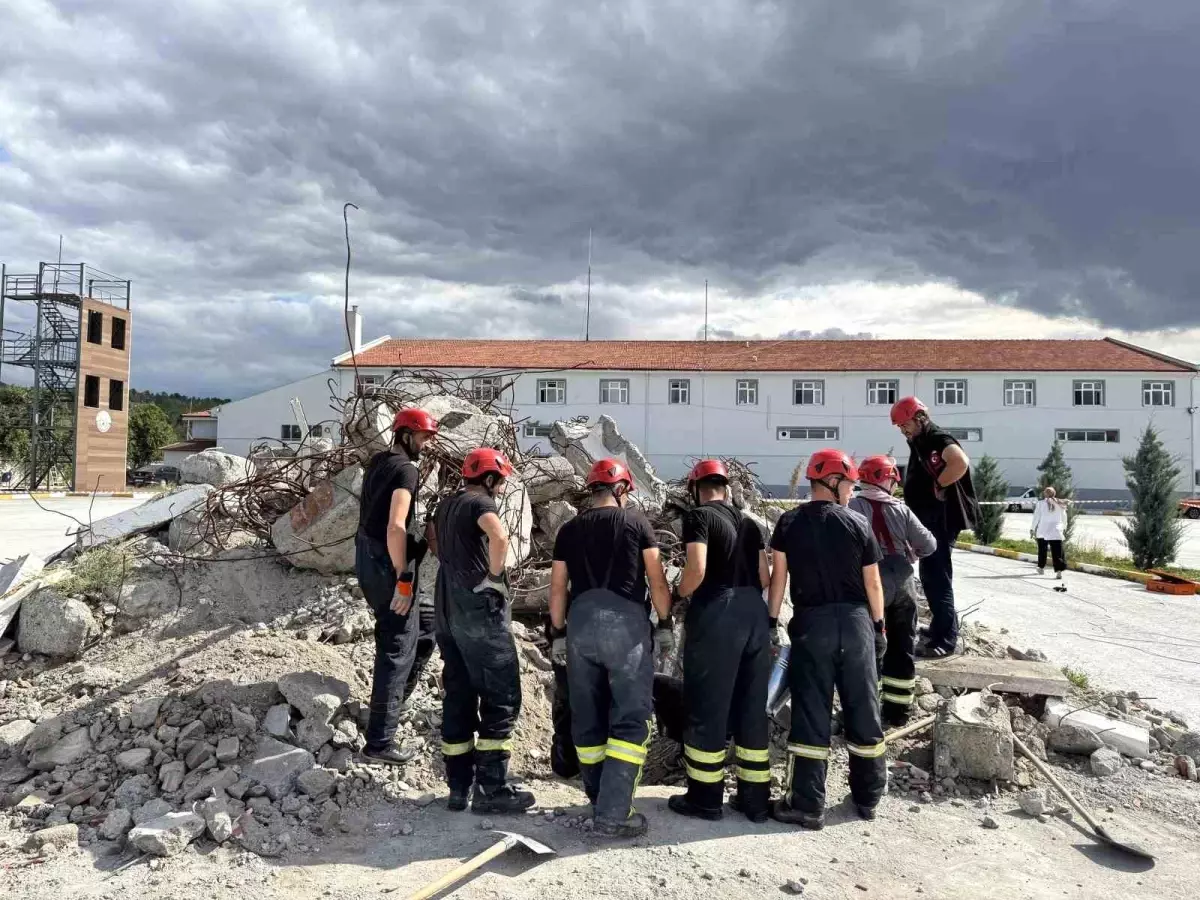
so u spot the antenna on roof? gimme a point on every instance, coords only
(706, 309)
(587, 322)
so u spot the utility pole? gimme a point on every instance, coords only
(587, 323)
(706, 309)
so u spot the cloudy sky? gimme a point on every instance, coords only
(891, 167)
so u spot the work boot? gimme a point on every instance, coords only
(390, 755)
(865, 812)
(685, 807)
(895, 718)
(457, 800)
(757, 816)
(635, 826)
(782, 811)
(1041, 570)
(503, 800)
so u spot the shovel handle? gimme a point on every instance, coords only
(910, 728)
(462, 871)
(1049, 776)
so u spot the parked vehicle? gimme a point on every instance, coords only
(1190, 507)
(155, 473)
(1023, 502)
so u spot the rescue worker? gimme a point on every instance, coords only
(837, 636)
(602, 561)
(727, 655)
(937, 487)
(387, 556)
(480, 675)
(902, 539)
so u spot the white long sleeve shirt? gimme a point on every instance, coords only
(1049, 520)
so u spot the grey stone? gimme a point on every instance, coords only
(199, 755)
(55, 625)
(276, 766)
(1033, 803)
(134, 791)
(228, 749)
(1105, 761)
(144, 713)
(341, 759)
(212, 782)
(67, 750)
(243, 723)
(1068, 738)
(278, 720)
(215, 467)
(974, 739)
(218, 818)
(552, 516)
(116, 824)
(238, 789)
(794, 886)
(146, 598)
(167, 835)
(151, 810)
(317, 783)
(45, 734)
(990, 822)
(1188, 744)
(193, 730)
(170, 775)
(318, 532)
(14, 734)
(311, 735)
(550, 478)
(133, 760)
(59, 836)
(314, 696)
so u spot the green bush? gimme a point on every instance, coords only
(98, 572)
(989, 486)
(1154, 532)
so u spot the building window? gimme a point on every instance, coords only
(536, 430)
(118, 334)
(1089, 393)
(614, 390)
(116, 394)
(1158, 393)
(805, 433)
(1020, 393)
(95, 333)
(747, 392)
(315, 431)
(486, 388)
(965, 434)
(552, 390)
(289, 432)
(1088, 436)
(679, 391)
(882, 391)
(950, 392)
(808, 393)
(91, 391)
(368, 385)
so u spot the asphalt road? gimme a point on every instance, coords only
(27, 527)
(1103, 531)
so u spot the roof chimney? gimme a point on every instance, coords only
(354, 329)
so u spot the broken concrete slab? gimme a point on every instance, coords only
(65, 751)
(318, 532)
(193, 534)
(1106, 761)
(974, 739)
(54, 625)
(276, 766)
(58, 836)
(582, 445)
(1010, 676)
(367, 427)
(167, 835)
(552, 516)
(315, 696)
(13, 735)
(14, 576)
(1068, 738)
(516, 513)
(148, 516)
(214, 467)
(1132, 740)
(550, 478)
(463, 426)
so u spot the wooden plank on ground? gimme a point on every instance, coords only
(1014, 676)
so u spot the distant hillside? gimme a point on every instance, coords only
(175, 405)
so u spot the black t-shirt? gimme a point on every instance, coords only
(827, 546)
(387, 472)
(730, 537)
(925, 464)
(462, 545)
(606, 539)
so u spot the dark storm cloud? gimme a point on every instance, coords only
(1040, 154)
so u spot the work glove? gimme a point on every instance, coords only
(558, 651)
(403, 597)
(773, 624)
(664, 638)
(497, 583)
(880, 646)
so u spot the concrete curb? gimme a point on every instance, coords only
(1088, 568)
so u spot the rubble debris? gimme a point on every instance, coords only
(1005, 675)
(367, 427)
(195, 534)
(1132, 740)
(973, 738)
(148, 516)
(167, 835)
(55, 625)
(276, 766)
(214, 467)
(65, 751)
(59, 837)
(318, 533)
(13, 576)
(583, 444)
(218, 815)
(1105, 762)
(116, 824)
(1068, 738)
(13, 735)
(314, 696)
(553, 516)
(1033, 803)
(1187, 744)
(550, 478)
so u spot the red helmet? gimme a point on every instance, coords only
(905, 408)
(415, 420)
(879, 470)
(485, 460)
(824, 463)
(610, 471)
(708, 468)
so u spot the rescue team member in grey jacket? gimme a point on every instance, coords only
(903, 540)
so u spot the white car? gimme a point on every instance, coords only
(1024, 502)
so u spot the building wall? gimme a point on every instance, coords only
(100, 456)
(713, 424)
(243, 423)
(198, 429)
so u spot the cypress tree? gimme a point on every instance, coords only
(1152, 476)
(989, 485)
(1057, 474)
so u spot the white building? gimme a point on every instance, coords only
(773, 403)
(201, 435)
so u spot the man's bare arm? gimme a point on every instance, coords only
(693, 569)
(558, 594)
(764, 571)
(957, 464)
(660, 591)
(497, 542)
(874, 591)
(397, 528)
(779, 575)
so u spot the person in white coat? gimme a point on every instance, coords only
(1049, 528)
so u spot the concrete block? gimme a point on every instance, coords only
(1132, 740)
(1012, 676)
(147, 517)
(974, 739)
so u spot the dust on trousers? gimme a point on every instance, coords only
(610, 671)
(898, 676)
(833, 646)
(481, 682)
(726, 668)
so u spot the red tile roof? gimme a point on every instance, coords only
(203, 414)
(1107, 355)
